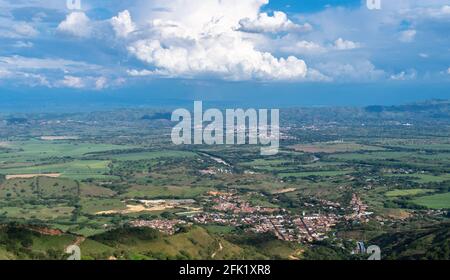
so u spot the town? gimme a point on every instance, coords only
(230, 209)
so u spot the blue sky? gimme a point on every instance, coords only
(295, 49)
(308, 6)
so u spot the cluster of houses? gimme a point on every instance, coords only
(230, 209)
(231, 202)
(360, 212)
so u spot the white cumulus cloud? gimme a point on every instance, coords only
(341, 44)
(215, 56)
(72, 82)
(23, 44)
(189, 38)
(360, 70)
(76, 24)
(445, 10)
(139, 73)
(4, 73)
(442, 12)
(279, 22)
(26, 30)
(123, 24)
(404, 75)
(13, 29)
(101, 83)
(304, 47)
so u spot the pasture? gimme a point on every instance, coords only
(409, 192)
(34, 150)
(436, 201)
(152, 155)
(77, 169)
(424, 178)
(332, 173)
(165, 192)
(334, 147)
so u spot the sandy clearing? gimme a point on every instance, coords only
(54, 138)
(29, 176)
(218, 250)
(397, 214)
(135, 209)
(5, 144)
(285, 191)
(296, 255)
(150, 206)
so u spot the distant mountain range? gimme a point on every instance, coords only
(432, 105)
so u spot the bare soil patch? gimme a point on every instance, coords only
(54, 138)
(29, 176)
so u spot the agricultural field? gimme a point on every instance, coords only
(77, 169)
(315, 174)
(95, 205)
(410, 192)
(35, 150)
(436, 201)
(151, 192)
(31, 212)
(335, 147)
(424, 178)
(153, 155)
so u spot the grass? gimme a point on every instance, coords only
(419, 144)
(88, 231)
(318, 173)
(91, 249)
(269, 165)
(436, 201)
(195, 244)
(39, 212)
(408, 157)
(17, 188)
(410, 192)
(77, 169)
(95, 191)
(35, 150)
(284, 165)
(334, 148)
(372, 156)
(92, 206)
(219, 229)
(5, 255)
(280, 249)
(165, 191)
(266, 162)
(45, 242)
(56, 187)
(152, 155)
(424, 178)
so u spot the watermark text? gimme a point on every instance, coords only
(251, 126)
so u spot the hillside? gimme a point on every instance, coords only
(426, 244)
(142, 244)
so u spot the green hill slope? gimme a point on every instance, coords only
(428, 244)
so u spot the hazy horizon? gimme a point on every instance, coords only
(293, 96)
